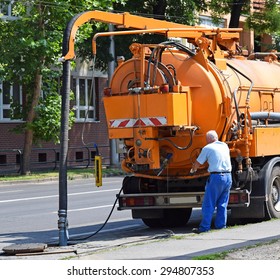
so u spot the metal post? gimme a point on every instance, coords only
(65, 104)
(111, 65)
(114, 158)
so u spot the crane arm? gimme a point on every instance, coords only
(124, 20)
(208, 40)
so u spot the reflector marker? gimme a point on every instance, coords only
(151, 121)
(98, 171)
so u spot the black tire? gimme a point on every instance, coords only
(171, 218)
(273, 193)
(152, 223)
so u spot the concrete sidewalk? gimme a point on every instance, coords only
(165, 244)
(188, 246)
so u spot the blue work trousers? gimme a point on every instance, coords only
(217, 191)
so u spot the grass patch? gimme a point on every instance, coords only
(215, 256)
(71, 173)
(177, 237)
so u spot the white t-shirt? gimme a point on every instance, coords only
(217, 155)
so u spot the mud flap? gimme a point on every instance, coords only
(255, 210)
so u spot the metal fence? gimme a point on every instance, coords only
(48, 158)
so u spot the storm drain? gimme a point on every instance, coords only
(24, 248)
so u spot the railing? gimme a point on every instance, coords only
(48, 158)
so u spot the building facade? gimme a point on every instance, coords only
(89, 129)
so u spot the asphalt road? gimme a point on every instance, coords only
(28, 211)
(28, 214)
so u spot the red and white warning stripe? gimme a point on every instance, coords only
(124, 123)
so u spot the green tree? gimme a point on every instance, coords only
(266, 19)
(263, 16)
(30, 47)
(181, 11)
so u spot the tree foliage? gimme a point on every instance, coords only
(47, 116)
(262, 16)
(267, 19)
(30, 47)
(181, 11)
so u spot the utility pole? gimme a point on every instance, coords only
(114, 158)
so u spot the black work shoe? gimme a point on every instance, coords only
(196, 230)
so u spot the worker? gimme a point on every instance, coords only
(217, 189)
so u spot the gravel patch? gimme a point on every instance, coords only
(267, 251)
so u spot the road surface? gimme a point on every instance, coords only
(28, 214)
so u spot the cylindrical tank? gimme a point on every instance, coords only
(215, 100)
(266, 83)
(210, 88)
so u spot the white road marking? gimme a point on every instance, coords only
(14, 191)
(56, 195)
(87, 208)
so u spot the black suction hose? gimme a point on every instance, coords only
(104, 224)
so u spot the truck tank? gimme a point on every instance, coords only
(154, 121)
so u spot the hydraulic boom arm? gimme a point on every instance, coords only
(124, 20)
(200, 36)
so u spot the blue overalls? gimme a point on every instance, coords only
(217, 191)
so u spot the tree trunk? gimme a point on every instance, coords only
(159, 8)
(28, 136)
(235, 13)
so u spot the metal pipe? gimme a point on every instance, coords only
(64, 129)
(246, 129)
(161, 31)
(62, 212)
(265, 115)
(260, 55)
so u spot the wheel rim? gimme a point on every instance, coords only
(275, 193)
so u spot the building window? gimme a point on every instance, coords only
(57, 156)
(18, 159)
(208, 23)
(42, 157)
(79, 156)
(9, 93)
(86, 99)
(6, 10)
(3, 159)
(92, 155)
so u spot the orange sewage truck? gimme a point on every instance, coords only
(163, 100)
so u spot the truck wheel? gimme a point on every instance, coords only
(171, 218)
(273, 193)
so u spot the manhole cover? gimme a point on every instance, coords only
(24, 248)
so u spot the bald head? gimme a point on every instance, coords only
(211, 136)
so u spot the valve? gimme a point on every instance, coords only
(164, 163)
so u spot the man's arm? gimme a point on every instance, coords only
(194, 167)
